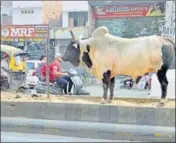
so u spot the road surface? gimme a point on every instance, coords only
(97, 90)
(28, 137)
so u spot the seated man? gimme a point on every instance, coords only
(56, 74)
(62, 78)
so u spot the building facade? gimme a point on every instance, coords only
(6, 18)
(52, 13)
(128, 19)
(27, 12)
(74, 13)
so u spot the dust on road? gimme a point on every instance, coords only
(11, 97)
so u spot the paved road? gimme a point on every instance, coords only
(97, 90)
(28, 137)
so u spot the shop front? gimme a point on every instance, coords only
(129, 19)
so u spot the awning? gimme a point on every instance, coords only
(10, 50)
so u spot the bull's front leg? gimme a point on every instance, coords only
(106, 81)
(105, 92)
(111, 86)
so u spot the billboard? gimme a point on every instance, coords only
(21, 33)
(129, 10)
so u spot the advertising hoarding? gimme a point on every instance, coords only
(130, 10)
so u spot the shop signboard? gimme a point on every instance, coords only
(20, 33)
(129, 10)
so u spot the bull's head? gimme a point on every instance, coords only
(72, 52)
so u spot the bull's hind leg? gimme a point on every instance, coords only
(106, 80)
(161, 74)
(168, 53)
(111, 86)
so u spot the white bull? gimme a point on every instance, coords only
(107, 56)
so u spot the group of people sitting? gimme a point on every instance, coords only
(141, 82)
(56, 74)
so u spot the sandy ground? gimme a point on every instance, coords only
(10, 96)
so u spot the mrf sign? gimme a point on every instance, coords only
(24, 32)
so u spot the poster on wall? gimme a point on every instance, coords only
(20, 33)
(168, 31)
(130, 10)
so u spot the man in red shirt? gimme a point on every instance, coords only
(57, 74)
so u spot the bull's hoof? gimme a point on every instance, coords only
(35, 95)
(103, 101)
(18, 96)
(161, 103)
(109, 101)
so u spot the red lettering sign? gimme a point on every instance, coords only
(133, 10)
(24, 31)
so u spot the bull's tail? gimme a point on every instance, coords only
(172, 41)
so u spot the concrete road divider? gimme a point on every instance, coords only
(152, 116)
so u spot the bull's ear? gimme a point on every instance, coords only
(76, 45)
(73, 36)
(88, 48)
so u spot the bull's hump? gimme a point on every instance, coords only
(100, 31)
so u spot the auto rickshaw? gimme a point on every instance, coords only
(13, 67)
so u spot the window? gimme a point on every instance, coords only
(4, 14)
(27, 11)
(78, 18)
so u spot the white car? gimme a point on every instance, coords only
(31, 79)
(32, 66)
(155, 85)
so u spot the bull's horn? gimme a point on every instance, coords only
(72, 35)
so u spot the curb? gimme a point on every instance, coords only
(90, 113)
(89, 129)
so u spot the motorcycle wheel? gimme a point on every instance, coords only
(22, 90)
(5, 86)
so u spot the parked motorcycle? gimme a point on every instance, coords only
(78, 83)
(4, 84)
(58, 90)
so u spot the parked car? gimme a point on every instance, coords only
(155, 85)
(32, 66)
(31, 79)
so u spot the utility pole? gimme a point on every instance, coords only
(47, 69)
